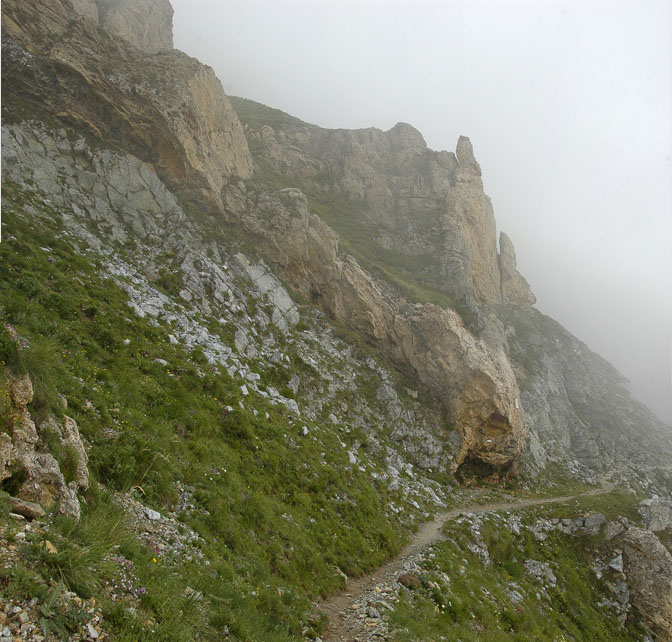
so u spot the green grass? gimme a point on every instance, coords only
(269, 504)
(462, 598)
(257, 115)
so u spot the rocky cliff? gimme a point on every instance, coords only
(473, 380)
(167, 109)
(577, 404)
(428, 207)
(403, 251)
(284, 347)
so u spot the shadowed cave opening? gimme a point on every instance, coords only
(473, 470)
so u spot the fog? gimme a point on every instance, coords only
(567, 104)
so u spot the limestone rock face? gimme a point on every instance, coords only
(147, 24)
(23, 453)
(649, 573)
(515, 289)
(470, 244)
(86, 8)
(167, 109)
(577, 402)
(473, 381)
(428, 207)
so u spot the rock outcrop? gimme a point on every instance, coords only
(147, 24)
(577, 404)
(648, 566)
(428, 207)
(515, 289)
(656, 513)
(473, 381)
(167, 108)
(34, 471)
(88, 9)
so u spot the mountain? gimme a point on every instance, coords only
(243, 357)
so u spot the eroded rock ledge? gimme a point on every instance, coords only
(473, 381)
(35, 476)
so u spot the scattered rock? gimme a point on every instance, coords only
(27, 509)
(152, 514)
(617, 563)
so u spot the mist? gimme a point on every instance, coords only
(567, 104)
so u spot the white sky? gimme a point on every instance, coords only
(568, 105)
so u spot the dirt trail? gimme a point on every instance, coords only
(347, 629)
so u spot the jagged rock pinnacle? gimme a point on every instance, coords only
(515, 289)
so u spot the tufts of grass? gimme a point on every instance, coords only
(464, 598)
(268, 500)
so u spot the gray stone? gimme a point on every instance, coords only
(656, 513)
(152, 514)
(593, 523)
(26, 509)
(617, 563)
(541, 571)
(241, 340)
(612, 529)
(649, 572)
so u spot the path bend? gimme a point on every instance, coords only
(342, 629)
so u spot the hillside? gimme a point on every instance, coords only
(243, 359)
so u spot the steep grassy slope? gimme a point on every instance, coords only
(276, 503)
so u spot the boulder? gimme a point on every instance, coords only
(656, 513)
(29, 510)
(648, 568)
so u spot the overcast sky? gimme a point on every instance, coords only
(567, 103)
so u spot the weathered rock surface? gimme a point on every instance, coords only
(656, 513)
(515, 289)
(166, 108)
(427, 206)
(147, 24)
(472, 380)
(27, 509)
(72, 440)
(6, 449)
(86, 8)
(38, 473)
(649, 571)
(578, 403)
(106, 198)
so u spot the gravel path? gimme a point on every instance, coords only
(347, 610)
